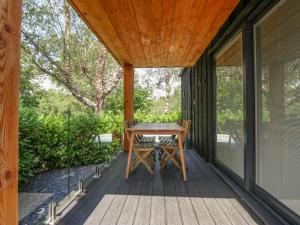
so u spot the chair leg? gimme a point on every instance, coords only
(142, 158)
(169, 156)
(165, 160)
(176, 161)
(163, 156)
(144, 162)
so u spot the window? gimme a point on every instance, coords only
(229, 106)
(277, 60)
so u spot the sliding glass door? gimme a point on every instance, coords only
(277, 60)
(229, 106)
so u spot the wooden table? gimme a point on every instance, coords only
(156, 129)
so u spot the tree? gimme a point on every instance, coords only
(30, 91)
(61, 46)
(164, 82)
(57, 102)
(142, 100)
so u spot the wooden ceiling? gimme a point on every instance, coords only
(155, 33)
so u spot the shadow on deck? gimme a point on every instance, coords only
(160, 199)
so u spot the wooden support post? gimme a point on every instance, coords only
(10, 27)
(128, 97)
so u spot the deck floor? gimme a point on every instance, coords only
(160, 199)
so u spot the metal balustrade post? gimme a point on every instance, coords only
(98, 174)
(80, 187)
(107, 157)
(52, 213)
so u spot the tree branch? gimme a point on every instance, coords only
(75, 92)
(114, 82)
(27, 36)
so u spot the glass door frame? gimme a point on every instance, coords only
(246, 26)
(254, 19)
(227, 43)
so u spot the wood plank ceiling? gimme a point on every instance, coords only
(155, 33)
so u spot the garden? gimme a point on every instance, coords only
(59, 141)
(71, 93)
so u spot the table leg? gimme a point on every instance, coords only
(182, 157)
(129, 155)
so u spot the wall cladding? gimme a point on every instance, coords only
(195, 96)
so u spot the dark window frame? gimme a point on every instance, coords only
(249, 95)
(256, 190)
(211, 57)
(243, 20)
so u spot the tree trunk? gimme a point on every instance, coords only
(99, 81)
(66, 50)
(168, 76)
(65, 67)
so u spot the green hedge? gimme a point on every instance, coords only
(161, 118)
(43, 140)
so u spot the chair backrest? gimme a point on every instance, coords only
(134, 122)
(139, 136)
(128, 124)
(186, 124)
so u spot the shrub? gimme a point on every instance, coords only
(159, 118)
(47, 142)
(29, 142)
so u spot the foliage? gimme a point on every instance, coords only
(159, 118)
(46, 142)
(229, 97)
(30, 90)
(158, 105)
(142, 100)
(55, 102)
(29, 142)
(163, 84)
(57, 43)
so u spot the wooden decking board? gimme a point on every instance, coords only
(86, 204)
(161, 199)
(200, 208)
(247, 215)
(233, 205)
(173, 216)
(232, 214)
(142, 216)
(209, 198)
(158, 209)
(116, 207)
(186, 209)
(199, 205)
(132, 201)
(97, 215)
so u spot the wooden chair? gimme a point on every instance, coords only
(170, 147)
(163, 139)
(143, 151)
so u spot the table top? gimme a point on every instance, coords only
(156, 127)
